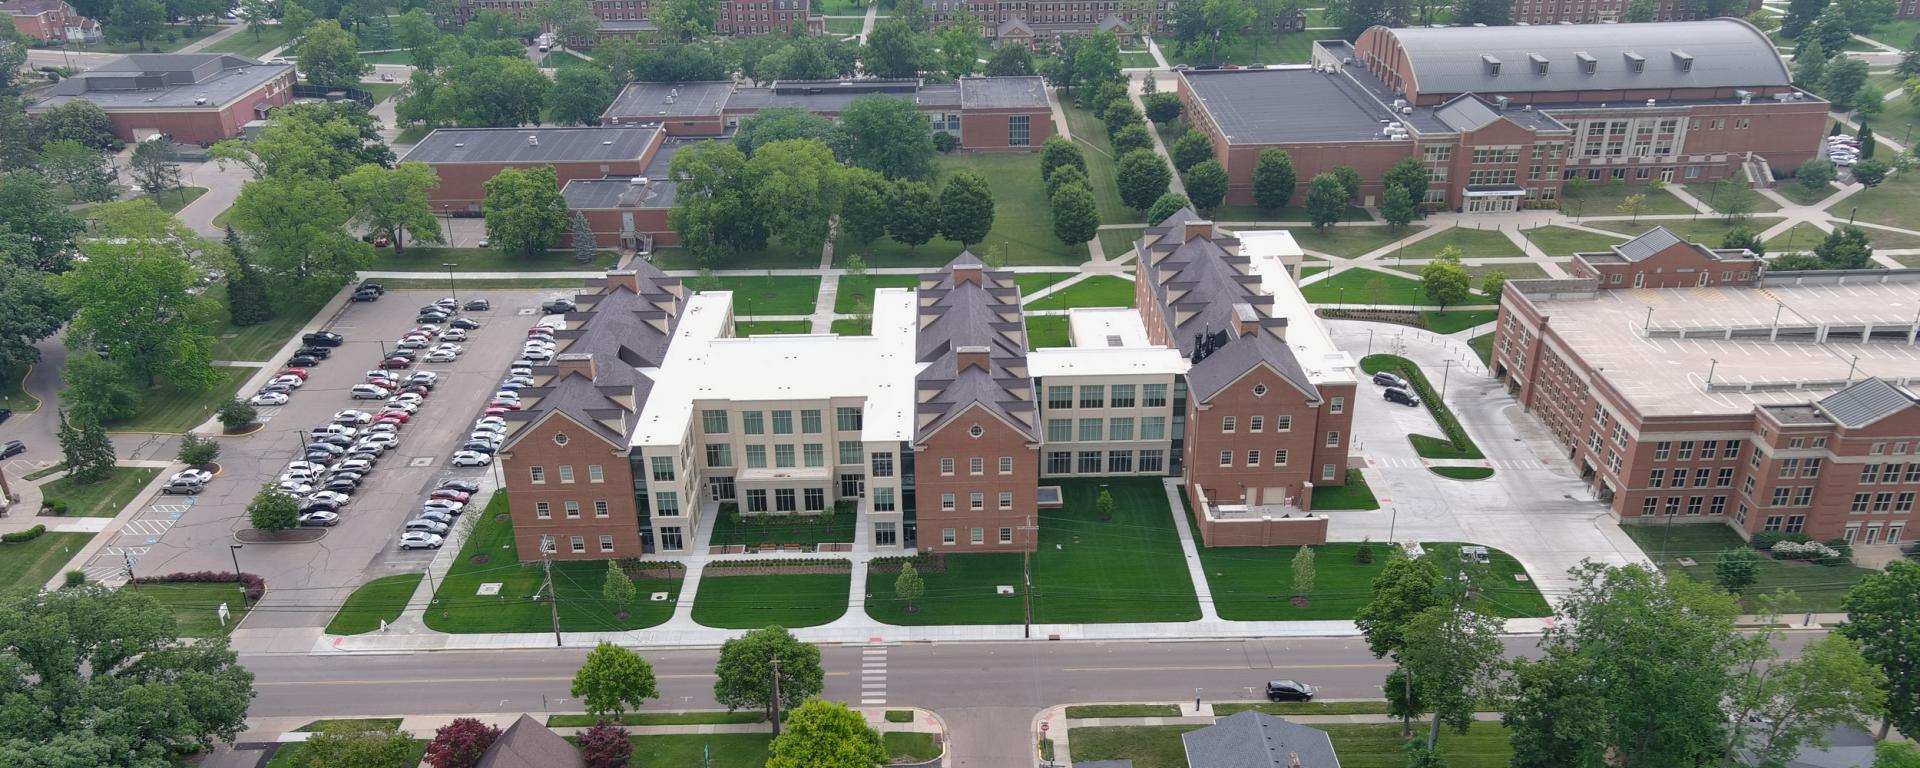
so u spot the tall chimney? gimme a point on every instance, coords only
(967, 273)
(973, 357)
(630, 279)
(1196, 228)
(573, 362)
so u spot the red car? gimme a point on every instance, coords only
(300, 372)
(507, 404)
(396, 362)
(495, 411)
(416, 390)
(380, 242)
(451, 495)
(386, 384)
(396, 416)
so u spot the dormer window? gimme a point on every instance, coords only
(1588, 64)
(1635, 62)
(1683, 60)
(1539, 63)
(1493, 65)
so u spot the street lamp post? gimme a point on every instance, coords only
(450, 286)
(446, 214)
(234, 551)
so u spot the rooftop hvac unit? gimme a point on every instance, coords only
(638, 181)
(673, 92)
(1500, 103)
(1406, 110)
(1399, 103)
(1651, 102)
(200, 100)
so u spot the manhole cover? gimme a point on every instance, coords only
(659, 597)
(1687, 562)
(420, 461)
(489, 589)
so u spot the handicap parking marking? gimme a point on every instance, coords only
(148, 528)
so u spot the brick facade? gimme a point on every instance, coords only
(564, 502)
(955, 442)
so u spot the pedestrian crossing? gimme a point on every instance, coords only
(1414, 463)
(873, 676)
(110, 564)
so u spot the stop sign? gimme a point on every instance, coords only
(1044, 727)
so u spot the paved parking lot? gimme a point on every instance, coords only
(307, 582)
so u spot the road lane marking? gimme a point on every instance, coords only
(420, 681)
(1223, 668)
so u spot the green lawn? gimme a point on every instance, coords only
(1116, 243)
(746, 750)
(845, 26)
(1797, 192)
(196, 607)
(491, 556)
(1471, 243)
(1456, 444)
(964, 591)
(1453, 321)
(1820, 588)
(1350, 242)
(746, 328)
(12, 394)
(381, 599)
(291, 755)
(1485, 745)
(763, 529)
(1711, 195)
(1503, 594)
(1096, 291)
(1291, 213)
(750, 602)
(102, 499)
(334, 722)
(1463, 473)
(429, 259)
(853, 327)
(247, 43)
(1564, 241)
(387, 57)
(910, 745)
(1708, 230)
(169, 409)
(1356, 286)
(661, 718)
(1261, 48)
(777, 254)
(1891, 203)
(182, 36)
(1022, 222)
(1033, 282)
(382, 91)
(760, 295)
(1483, 346)
(1284, 708)
(1047, 331)
(1091, 134)
(1355, 494)
(258, 342)
(1884, 240)
(567, 60)
(843, 8)
(30, 564)
(1803, 237)
(1122, 710)
(1075, 576)
(1603, 198)
(1897, 33)
(173, 200)
(856, 294)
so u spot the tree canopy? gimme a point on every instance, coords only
(744, 673)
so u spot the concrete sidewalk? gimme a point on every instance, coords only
(284, 729)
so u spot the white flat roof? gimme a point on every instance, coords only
(1270, 242)
(1323, 361)
(702, 365)
(1106, 342)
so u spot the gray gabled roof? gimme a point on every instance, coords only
(1647, 244)
(1724, 53)
(1466, 113)
(1252, 739)
(528, 744)
(532, 145)
(956, 315)
(1003, 93)
(1865, 403)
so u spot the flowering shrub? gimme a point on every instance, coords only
(256, 586)
(1804, 550)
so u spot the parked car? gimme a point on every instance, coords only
(5, 413)
(1389, 380)
(423, 379)
(1401, 396)
(303, 360)
(451, 507)
(352, 417)
(441, 356)
(340, 440)
(480, 446)
(323, 339)
(464, 486)
(360, 466)
(394, 416)
(431, 317)
(372, 286)
(333, 496)
(1289, 690)
(341, 484)
(415, 342)
(368, 392)
(364, 295)
(186, 486)
(451, 495)
(465, 323)
(447, 303)
(471, 459)
(437, 515)
(320, 518)
(478, 305)
(198, 475)
(557, 306)
(315, 352)
(292, 381)
(269, 398)
(306, 466)
(397, 362)
(454, 334)
(427, 526)
(296, 489)
(420, 540)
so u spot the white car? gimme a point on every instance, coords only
(448, 506)
(335, 429)
(421, 540)
(195, 475)
(288, 380)
(428, 377)
(333, 496)
(522, 380)
(447, 303)
(471, 459)
(352, 417)
(455, 334)
(307, 466)
(380, 373)
(409, 406)
(537, 355)
(361, 466)
(372, 448)
(269, 398)
(507, 394)
(440, 356)
(383, 428)
(414, 342)
(490, 435)
(444, 346)
(387, 438)
(296, 479)
(520, 370)
(367, 392)
(427, 328)
(294, 487)
(321, 518)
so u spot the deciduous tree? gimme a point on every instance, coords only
(1454, 656)
(864, 209)
(1017, 61)
(1076, 215)
(1142, 177)
(358, 744)
(1166, 205)
(1397, 208)
(966, 208)
(140, 301)
(1206, 185)
(825, 734)
(782, 123)
(1190, 149)
(1057, 151)
(235, 414)
(393, 201)
(1132, 137)
(614, 680)
(86, 173)
(524, 211)
(152, 167)
(80, 121)
(297, 227)
(618, 589)
(1444, 280)
(1737, 569)
(271, 510)
(137, 20)
(1162, 107)
(1883, 615)
(1273, 179)
(197, 451)
(1784, 706)
(960, 44)
(1304, 574)
(97, 389)
(30, 310)
(744, 673)
(605, 745)
(908, 587)
(580, 94)
(1326, 200)
(461, 743)
(330, 56)
(1097, 60)
(1845, 248)
(916, 213)
(1409, 174)
(886, 134)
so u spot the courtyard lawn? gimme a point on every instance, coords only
(1561, 242)
(30, 564)
(746, 328)
(1034, 282)
(102, 499)
(1075, 578)
(776, 255)
(1355, 494)
(964, 591)
(382, 91)
(260, 341)
(661, 718)
(1884, 240)
(1804, 237)
(1483, 346)
(845, 26)
(843, 8)
(1022, 222)
(1257, 48)
(1454, 321)
(379, 600)
(1047, 331)
(1090, 133)
(1350, 242)
(1797, 192)
(771, 529)
(1471, 243)
(433, 259)
(292, 754)
(167, 408)
(748, 750)
(1116, 243)
(856, 293)
(1228, 214)
(1138, 60)
(790, 600)
(183, 35)
(13, 397)
(196, 607)
(1096, 291)
(490, 556)
(1891, 203)
(853, 327)
(1708, 230)
(247, 43)
(1819, 587)
(1514, 270)
(779, 295)
(1356, 286)
(1710, 194)
(886, 252)
(173, 200)
(1501, 593)
(1909, 260)
(1897, 33)
(1485, 745)
(1601, 198)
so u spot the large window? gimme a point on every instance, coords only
(1152, 461)
(714, 422)
(810, 422)
(783, 422)
(1090, 429)
(1122, 396)
(756, 457)
(850, 452)
(1153, 427)
(719, 455)
(1092, 396)
(1018, 131)
(666, 503)
(752, 423)
(1059, 430)
(1059, 462)
(883, 499)
(1090, 462)
(814, 454)
(1153, 395)
(883, 464)
(783, 455)
(847, 419)
(662, 469)
(1059, 397)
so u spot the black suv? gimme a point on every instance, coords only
(319, 352)
(12, 448)
(557, 306)
(1401, 396)
(1288, 690)
(478, 305)
(371, 286)
(323, 339)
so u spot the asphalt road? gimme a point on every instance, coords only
(988, 693)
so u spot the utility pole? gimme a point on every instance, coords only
(553, 597)
(1026, 580)
(129, 560)
(774, 702)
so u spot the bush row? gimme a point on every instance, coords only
(1456, 434)
(256, 586)
(27, 535)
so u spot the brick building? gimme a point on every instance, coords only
(1502, 115)
(193, 98)
(1534, 12)
(1688, 385)
(984, 113)
(1040, 25)
(465, 158)
(51, 20)
(620, 18)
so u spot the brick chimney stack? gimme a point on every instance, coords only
(628, 278)
(1197, 228)
(574, 362)
(973, 357)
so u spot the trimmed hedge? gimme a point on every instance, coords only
(1456, 435)
(55, 507)
(1765, 540)
(256, 586)
(27, 535)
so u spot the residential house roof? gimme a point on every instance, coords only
(1250, 739)
(528, 744)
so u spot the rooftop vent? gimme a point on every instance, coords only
(1636, 63)
(1493, 64)
(1683, 60)
(1500, 103)
(1588, 64)
(533, 140)
(200, 100)
(459, 144)
(1539, 63)
(607, 143)
(1652, 102)
(639, 181)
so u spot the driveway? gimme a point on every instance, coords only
(1534, 506)
(40, 429)
(306, 582)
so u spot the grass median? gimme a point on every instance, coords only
(1456, 444)
(102, 499)
(1127, 569)
(751, 601)
(373, 602)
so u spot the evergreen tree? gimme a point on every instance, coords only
(69, 441)
(1909, 65)
(1867, 141)
(94, 451)
(1800, 15)
(247, 302)
(585, 247)
(1810, 64)
(1273, 179)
